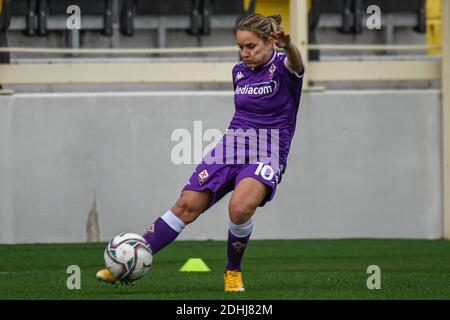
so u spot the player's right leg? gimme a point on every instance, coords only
(167, 227)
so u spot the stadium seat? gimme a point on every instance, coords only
(197, 17)
(223, 13)
(97, 15)
(145, 14)
(5, 18)
(340, 7)
(416, 7)
(353, 11)
(127, 14)
(313, 22)
(25, 13)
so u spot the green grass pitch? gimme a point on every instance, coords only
(272, 269)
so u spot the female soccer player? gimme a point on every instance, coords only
(267, 86)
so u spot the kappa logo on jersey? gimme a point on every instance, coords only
(239, 76)
(202, 176)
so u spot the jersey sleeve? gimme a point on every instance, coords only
(233, 76)
(293, 76)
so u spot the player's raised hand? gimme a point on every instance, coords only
(282, 39)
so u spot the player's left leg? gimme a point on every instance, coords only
(247, 196)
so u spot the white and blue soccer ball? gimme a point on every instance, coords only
(128, 257)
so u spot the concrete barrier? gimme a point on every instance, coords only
(362, 164)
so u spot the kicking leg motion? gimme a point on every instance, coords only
(167, 227)
(247, 196)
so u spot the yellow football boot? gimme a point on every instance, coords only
(106, 276)
(233, 281)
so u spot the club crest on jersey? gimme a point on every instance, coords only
(202, 176)
(272, 70)
(239, 75)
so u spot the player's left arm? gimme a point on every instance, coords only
(294, 57)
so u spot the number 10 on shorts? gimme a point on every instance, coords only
(264, 171)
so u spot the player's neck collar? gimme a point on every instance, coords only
(272, 57)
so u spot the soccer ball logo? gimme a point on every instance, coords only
(128, 257)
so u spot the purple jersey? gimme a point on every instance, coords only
(268, 98)
(267, 101)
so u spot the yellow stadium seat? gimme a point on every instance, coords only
(434, 31)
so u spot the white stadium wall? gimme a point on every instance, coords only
(362, 164)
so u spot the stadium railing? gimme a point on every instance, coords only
(375, 70)
(121, 72)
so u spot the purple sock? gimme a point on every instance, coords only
(160, 233)
(236, 248)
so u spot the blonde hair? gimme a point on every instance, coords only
(261, 25)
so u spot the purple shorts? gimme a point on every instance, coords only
(223, 178)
